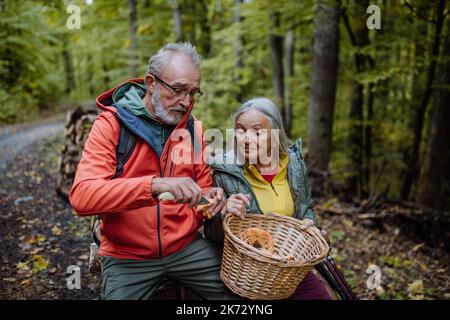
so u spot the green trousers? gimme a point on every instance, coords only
(197, 266)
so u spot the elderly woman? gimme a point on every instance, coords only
(271, 177)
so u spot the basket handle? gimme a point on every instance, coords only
(303, 226)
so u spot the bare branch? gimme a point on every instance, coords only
(349, 28)
(418, 14)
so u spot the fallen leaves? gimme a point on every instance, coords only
(37, 242)
(23, 269)
(21, 200)
(25, 246)
(417, 247)
(416, 290)
(56, 230)
(329, 203)
(402, 260)
(23, 266)
(52, 270)
(83, 257)
(37, 239)
(36, 250)
(39, 263)
(26, 282)
(44, 229)
(380, 292)
(337, 235)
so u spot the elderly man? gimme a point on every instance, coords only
(143, 238)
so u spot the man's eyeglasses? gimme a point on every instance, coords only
(181, 93)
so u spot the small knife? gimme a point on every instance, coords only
(170, 196)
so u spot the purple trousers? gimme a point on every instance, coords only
(311, 288)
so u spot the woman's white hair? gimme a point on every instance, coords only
(270, 110)
(157, 62)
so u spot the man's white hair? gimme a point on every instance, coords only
(159, 61)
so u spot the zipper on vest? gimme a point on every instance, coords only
(273, 188)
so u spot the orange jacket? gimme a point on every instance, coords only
(135, 225)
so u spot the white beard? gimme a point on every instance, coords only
(161, 112)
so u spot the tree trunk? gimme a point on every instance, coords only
(90, 74)
(68, 66)
(290, 45)
(368, 134)
(323, 85)
(276, 54)
(106, 77)
(206, 30)
(359, 38)
(417, 93)
(190, 9)
(238, 49)
(133, 41)
(412, 163)
(177, 21)
(355, 182)
(436, 156)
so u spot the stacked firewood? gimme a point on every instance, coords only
(78, 124)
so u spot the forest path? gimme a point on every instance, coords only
(16, 138)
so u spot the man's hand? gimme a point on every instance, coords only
(185, 190)
(218, 201)
(237, 204)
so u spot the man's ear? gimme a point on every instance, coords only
(150, 82)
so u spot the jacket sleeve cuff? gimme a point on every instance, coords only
(149, 191)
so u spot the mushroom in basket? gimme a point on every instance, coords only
(259, 239)
(262, 240)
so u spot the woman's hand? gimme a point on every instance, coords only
(307, 223)
(237, 204)
(218, 201)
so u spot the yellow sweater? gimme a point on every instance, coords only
(272, 197)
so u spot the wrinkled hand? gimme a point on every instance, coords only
(185, 190)
(237, 204)
(218, 201)
(307, 222)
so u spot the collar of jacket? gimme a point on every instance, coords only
(146, 129)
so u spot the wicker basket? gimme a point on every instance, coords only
(255, 274)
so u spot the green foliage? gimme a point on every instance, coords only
(28, 51)
(35, 46)
(16, 106)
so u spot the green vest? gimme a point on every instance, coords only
(230, 177)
